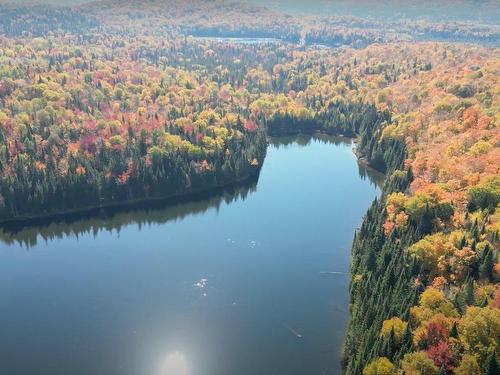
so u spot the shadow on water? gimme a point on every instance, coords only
(27, 234)
(114, 218)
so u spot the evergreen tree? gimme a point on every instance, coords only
(454, 330)
(486, 263)
(491, 367)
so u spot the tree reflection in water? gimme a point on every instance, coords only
(155, 212)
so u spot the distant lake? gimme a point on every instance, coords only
(238, 40)
(250, 281)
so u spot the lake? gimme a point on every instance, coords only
(237, 40)
(250, 281)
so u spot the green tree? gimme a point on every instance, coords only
(480, 330)
(491, 367)
(486, 263)
(380, 366)
(418, 364)
(454, 330)
(468, 366)
(485, 195)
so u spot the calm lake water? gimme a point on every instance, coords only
(237, 40)
(221, 286)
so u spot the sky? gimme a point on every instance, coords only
(484, 10)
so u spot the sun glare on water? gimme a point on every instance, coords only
(174, 364)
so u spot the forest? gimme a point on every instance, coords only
(102, 104)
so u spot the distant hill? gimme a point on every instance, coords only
(442, 10)
(487, 11)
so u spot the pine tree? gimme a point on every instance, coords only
(425, 222)
(407, 340)
(371, 261)
(469, 292)
(474, 230)
(454, 330)
(491, 367)
(390, 345)
(486, 263)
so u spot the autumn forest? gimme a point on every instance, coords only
(107, 103)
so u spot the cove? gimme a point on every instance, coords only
(219, 286)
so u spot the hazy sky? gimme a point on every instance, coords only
(484, 10)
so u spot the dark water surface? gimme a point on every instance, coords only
(221, 286)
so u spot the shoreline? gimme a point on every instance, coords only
(170, 200)
(180, 197)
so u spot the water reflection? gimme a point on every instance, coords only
(114, 218)
(219, 286)
(148, 213)
(237, 40)
(174, 363)
(306, 140)
(303, 140)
